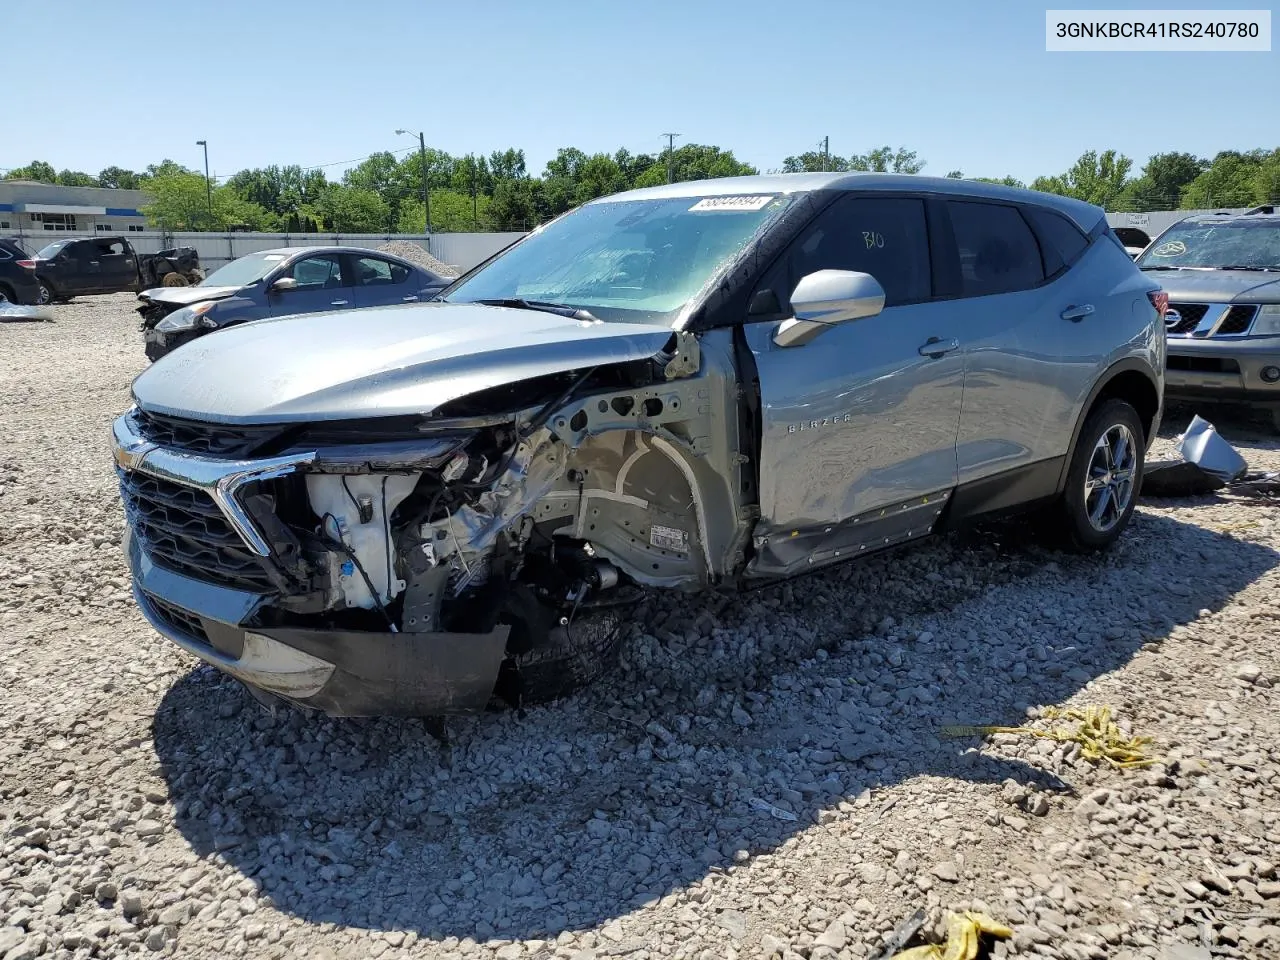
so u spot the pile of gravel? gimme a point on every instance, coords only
(416, 254)
(765, 777)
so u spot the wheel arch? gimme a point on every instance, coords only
(1131, 380)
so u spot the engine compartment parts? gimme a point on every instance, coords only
(963, 938)
(1099, 736)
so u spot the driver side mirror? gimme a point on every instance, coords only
(825, 298)
(284, 285)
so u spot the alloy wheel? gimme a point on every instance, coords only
(1109, 482)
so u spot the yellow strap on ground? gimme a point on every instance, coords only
(1098, 735)
(963, 933)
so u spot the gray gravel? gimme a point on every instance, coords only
(764, 777)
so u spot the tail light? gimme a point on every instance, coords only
(29, 264)
(1160, 300)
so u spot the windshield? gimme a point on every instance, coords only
(634, 261)
(246, 270)
(1236, 243)
(51, 251)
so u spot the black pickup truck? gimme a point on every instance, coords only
(87, 265)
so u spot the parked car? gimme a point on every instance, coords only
(278, 282)
(18, 282)
(1222, 274)
(408, 510)
(80, 266)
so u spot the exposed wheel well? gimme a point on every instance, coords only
(1135, 389)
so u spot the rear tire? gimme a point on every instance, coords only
(1103, 479)
(6, 294)
(46, 294)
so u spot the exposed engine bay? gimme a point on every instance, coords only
(594, 485)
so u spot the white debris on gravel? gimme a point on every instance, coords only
(147, 805)
(416, 254)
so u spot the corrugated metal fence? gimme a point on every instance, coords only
(460, 250)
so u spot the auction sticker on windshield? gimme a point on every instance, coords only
(736, 204)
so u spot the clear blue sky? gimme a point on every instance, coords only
(967, 85)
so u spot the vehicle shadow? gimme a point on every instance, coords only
(572, 815)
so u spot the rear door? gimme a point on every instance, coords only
(379, 282)
(117, 269)
(1020, 376)
(322, 286)
(858, 444)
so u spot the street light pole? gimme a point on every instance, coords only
(671, 142)
(426, 189)
(208, 184)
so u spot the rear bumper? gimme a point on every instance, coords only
(340, 672)
(1222, 369)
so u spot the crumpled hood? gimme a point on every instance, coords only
(1218, 286)
(182, 296)
(379, 362)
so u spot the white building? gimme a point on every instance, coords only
(35, 209)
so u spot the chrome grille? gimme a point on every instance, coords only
(1184, 317)
(183, 529)
(1238, 319)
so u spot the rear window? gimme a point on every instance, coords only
(1061, 241)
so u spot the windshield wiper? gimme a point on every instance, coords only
(1159, 266)
(1247, 266)
(519, 303)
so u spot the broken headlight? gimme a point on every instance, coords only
(188, 318)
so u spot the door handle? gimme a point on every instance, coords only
(337, 303)
(1077, 313)
(409, 299)
(936, 347)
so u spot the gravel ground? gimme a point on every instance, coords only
(148, 804)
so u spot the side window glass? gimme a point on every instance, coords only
(1060, 240)
(317, 273)
(374, 272)
(883, 236)
(998, 251)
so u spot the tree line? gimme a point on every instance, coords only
(496, 192)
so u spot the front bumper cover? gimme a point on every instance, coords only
(343, 673)
(1222, 368)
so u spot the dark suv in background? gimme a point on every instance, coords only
(18, 282)
(1222, 274)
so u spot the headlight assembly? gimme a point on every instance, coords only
(188, 318)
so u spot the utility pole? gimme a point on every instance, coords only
(475, 201)
(671, 143)
(426, 189)
(826, 153)
(208, 184)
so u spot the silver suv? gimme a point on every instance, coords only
(1222, 274)
(410, 510)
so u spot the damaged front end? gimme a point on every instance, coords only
(421, 565)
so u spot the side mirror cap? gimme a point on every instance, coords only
(284, 284)
(826, 298)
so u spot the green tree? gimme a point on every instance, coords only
(348, 209)
(887, 160)
(813, 161)
(1006, 181)
(1098, 178)
(76, 178)
(507, 164)
(514, 205)
(451, 212)
(955, 175)
(118, 178)
(179, 201)
(695, 161)
(1161, 183)
(1235, 179)
(36, 170)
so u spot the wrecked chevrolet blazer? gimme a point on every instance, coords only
(441, 507)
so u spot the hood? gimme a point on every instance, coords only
(378, 362)
(184, 296)
(1217, 286)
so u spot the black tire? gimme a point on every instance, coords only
(1077, 529)
(571, 658)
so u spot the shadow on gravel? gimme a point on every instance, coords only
(579, 813)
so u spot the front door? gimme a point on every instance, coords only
(858, 444)
(320, 287)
